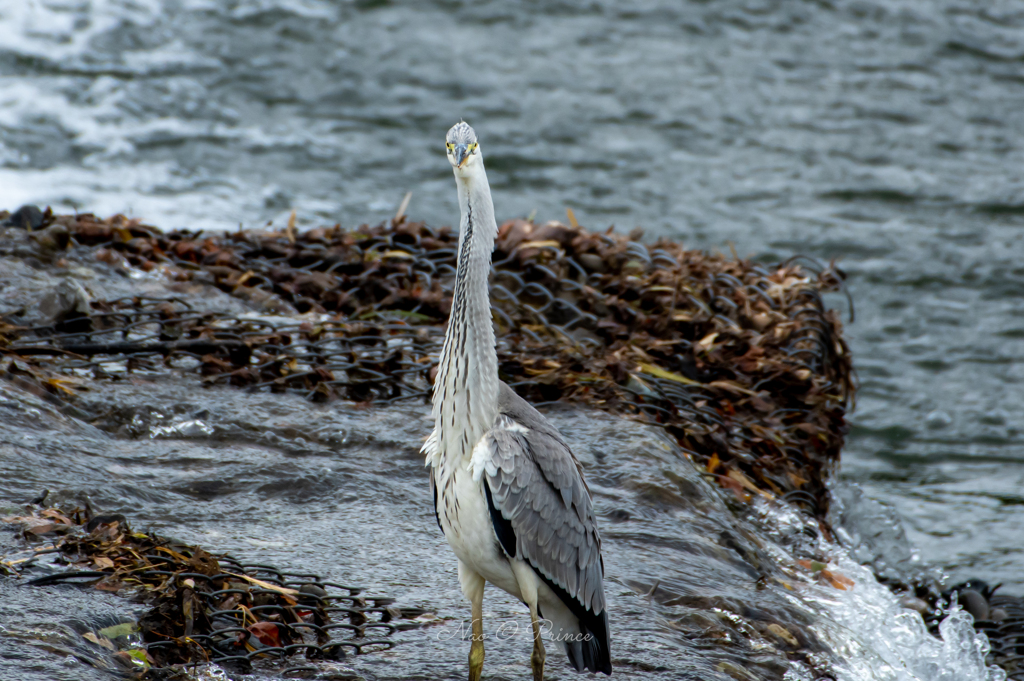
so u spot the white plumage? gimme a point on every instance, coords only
(508, 493)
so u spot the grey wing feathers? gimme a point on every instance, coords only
(537, 485)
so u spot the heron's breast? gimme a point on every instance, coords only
(467, 526)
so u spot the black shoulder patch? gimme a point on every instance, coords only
(503, 529)
(437, 516)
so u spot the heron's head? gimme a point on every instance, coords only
(463, 149)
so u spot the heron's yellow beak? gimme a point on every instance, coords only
(460, 153)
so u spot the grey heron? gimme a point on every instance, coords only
(509, 494)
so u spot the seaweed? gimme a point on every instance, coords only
(741, 362)
(204, 607)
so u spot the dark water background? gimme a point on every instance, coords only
(886, 134)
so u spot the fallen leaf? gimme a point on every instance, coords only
(781, 632)
(400, 213)
(56, 515)
(244, 278)
(266, 585)
(836, 580)
(732, 387)
(572, 218)
(267, 633)
(139, 657)
(736, 488)
(100, 641)
(38, 526)
(739, 477)
(707, 341)
(117, 630)
(107, 584)
(665, 373)
(290, 230)
(714, 462)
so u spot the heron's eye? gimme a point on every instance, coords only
(448, 146)
(472, 148)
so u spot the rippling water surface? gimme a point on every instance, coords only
(884, 134)
(698, 588)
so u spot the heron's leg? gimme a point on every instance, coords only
(527, 579)
(473, 588)
(539, 655)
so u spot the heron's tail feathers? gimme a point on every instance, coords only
(591, 650)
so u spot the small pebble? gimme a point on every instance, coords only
(26, 217)
(913, 603)
(52, 239)
(974, 603)
(313, 590)
(592, 262)
(105, 519)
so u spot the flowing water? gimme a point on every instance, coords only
(885, 134)
(698, 588)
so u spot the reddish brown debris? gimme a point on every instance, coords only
(741, 362)
(203, 607)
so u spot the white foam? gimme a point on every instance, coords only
(873, 636)
(881, 640)
(61, 29)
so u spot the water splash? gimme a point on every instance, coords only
(872, 636)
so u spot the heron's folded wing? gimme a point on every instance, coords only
(536, 485)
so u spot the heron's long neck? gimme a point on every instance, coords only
(466, 388)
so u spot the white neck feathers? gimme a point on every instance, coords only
(466, 387)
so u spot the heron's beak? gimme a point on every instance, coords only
(461, 153)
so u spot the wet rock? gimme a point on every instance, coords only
(592, 262)
(68, 300)
(974, 603)
(914, 603)
(313, 590)
(27, 217)
(53, 239)
(974, 584)
(105, 519)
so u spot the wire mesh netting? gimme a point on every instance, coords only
(742, 362)
(203, 607)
